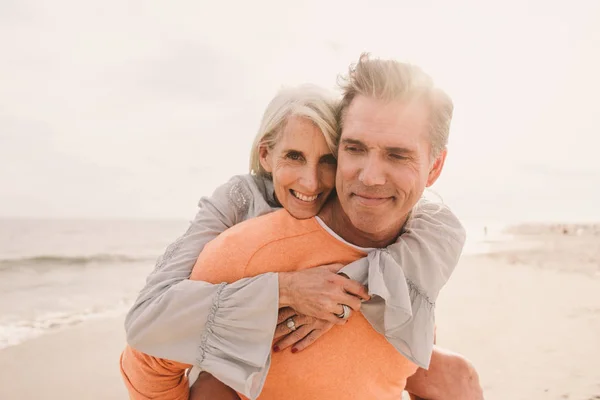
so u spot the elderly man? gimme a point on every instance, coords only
(395, 126)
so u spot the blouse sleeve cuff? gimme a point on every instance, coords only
(236, 345)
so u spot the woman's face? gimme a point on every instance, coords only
(302, 166)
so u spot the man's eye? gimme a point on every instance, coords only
(352, 149)
(398, 157)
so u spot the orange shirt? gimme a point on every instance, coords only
(349, 361)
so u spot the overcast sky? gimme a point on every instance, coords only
(136, 109)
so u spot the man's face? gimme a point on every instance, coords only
(384, 163)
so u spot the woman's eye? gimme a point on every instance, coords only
(294, 156)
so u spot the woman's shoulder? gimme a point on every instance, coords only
(247, 194)
(248, 182)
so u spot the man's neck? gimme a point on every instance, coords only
(335, 218)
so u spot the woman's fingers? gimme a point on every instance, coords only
(334, 308)
(353, 302)
(355, 288)
(319, 291)
(285, 313)
(283, 329)
(308, 332)
(280, 331)
(293, 337)
(310, 338)
(332, 318)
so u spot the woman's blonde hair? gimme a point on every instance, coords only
(314, 103)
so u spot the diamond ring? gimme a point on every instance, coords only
(290, 324)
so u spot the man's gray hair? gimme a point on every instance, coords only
(392, 80)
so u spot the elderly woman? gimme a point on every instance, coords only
(228, 329)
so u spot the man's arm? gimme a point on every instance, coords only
(450, 377)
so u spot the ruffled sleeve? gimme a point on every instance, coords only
(236, 343)
(404, 279)
(226, 329)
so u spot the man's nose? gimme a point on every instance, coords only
(372, 173)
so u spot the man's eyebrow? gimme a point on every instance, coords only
(402, 150)
(390, 149)
(353, 141)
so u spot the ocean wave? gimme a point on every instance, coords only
(41, 260)
(13, 333)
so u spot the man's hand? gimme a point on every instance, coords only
(450, 377)
(308, 330)
(319, 292)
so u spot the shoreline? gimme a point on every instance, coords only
(528, 317)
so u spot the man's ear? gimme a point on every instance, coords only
(436, 168)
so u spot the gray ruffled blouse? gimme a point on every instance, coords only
(227, 329)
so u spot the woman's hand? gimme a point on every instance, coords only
(320, 292)
(308, 330)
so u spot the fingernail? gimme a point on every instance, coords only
(294, 350)
(275, 348)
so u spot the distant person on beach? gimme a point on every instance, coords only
(227, 329)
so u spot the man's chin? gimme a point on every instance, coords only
(371, 226)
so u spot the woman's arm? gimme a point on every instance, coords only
(430, 247)
(174, 317)
(405, 279)
(171, 311)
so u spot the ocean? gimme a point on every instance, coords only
(57, 273)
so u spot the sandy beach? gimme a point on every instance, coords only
(527, 317)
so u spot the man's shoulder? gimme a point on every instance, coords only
(275, 225)
(249, 236)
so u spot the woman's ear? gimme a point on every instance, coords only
(265, 158)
